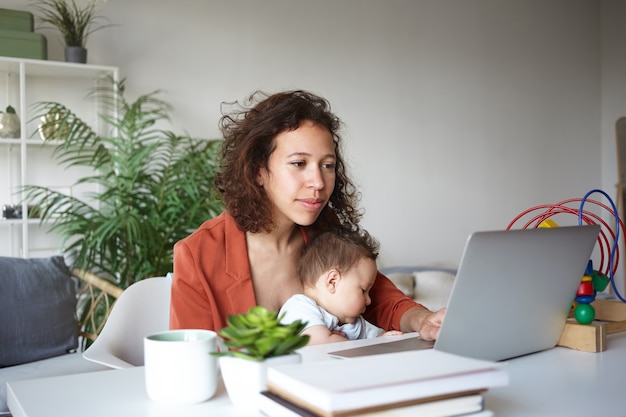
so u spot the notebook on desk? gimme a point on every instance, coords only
(511, 296)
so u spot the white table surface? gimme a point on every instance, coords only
(556, 382)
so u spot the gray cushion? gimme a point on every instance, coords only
(37, 309)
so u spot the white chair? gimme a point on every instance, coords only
(142, 309)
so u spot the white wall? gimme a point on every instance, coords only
(458, 114)
(613, 77)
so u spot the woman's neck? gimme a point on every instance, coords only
(279, 239)
(273, 261)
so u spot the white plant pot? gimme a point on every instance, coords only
(244, 379)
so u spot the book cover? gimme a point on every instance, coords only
(273, 405)
(342, 385)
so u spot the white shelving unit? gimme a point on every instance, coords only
(28, 159)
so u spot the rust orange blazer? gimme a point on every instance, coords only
(212, 280)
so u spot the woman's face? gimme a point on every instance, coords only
(300, 174)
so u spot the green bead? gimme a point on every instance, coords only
(584, 313)
(600, 281)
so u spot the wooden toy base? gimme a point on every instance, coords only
(610, 318)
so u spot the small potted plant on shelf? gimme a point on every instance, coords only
(256, 339)
(74, 23)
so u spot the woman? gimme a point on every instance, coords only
(282, 179)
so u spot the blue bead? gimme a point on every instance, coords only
(585, 299)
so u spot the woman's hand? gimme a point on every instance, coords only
(424, 321)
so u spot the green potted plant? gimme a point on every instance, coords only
(259, 334)
(256, 340)
(145, 187)
(74, 23)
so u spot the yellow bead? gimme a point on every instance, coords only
(548, 223)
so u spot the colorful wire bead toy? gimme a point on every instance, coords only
(593, 281)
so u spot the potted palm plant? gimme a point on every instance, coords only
(256, 340)
(146, 189)
(74, 23)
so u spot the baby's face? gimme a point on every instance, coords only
(352, 294)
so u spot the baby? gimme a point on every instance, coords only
(337, 270)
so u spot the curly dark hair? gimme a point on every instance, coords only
(249, 132)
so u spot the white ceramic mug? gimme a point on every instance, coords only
(179, 368)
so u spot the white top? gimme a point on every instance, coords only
(302, 307)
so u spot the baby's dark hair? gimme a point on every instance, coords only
(339, 249)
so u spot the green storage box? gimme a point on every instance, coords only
(16, 20)
(19, 44)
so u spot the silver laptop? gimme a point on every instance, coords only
(511, 296)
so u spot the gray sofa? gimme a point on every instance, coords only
(38, 325)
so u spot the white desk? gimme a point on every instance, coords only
(556, 382)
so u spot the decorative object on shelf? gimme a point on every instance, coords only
(14, 211)
(75, 54)
(149, 187)
(74, 23)
(17, 39)
(257, 339)
(9, 124)
(11, 211)
(52, 127)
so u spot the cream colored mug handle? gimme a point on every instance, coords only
(221, 346)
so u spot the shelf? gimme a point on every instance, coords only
(54, 69)
(20, 221)
(30, 142)
(29, 159)
(8, 141)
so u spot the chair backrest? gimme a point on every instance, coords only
(142, 309)
(95, 301)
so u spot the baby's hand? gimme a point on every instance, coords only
(391, 333)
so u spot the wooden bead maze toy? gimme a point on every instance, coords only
(591, 319)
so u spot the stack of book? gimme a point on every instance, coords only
(426, 383)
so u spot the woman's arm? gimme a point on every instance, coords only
(189, 306)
